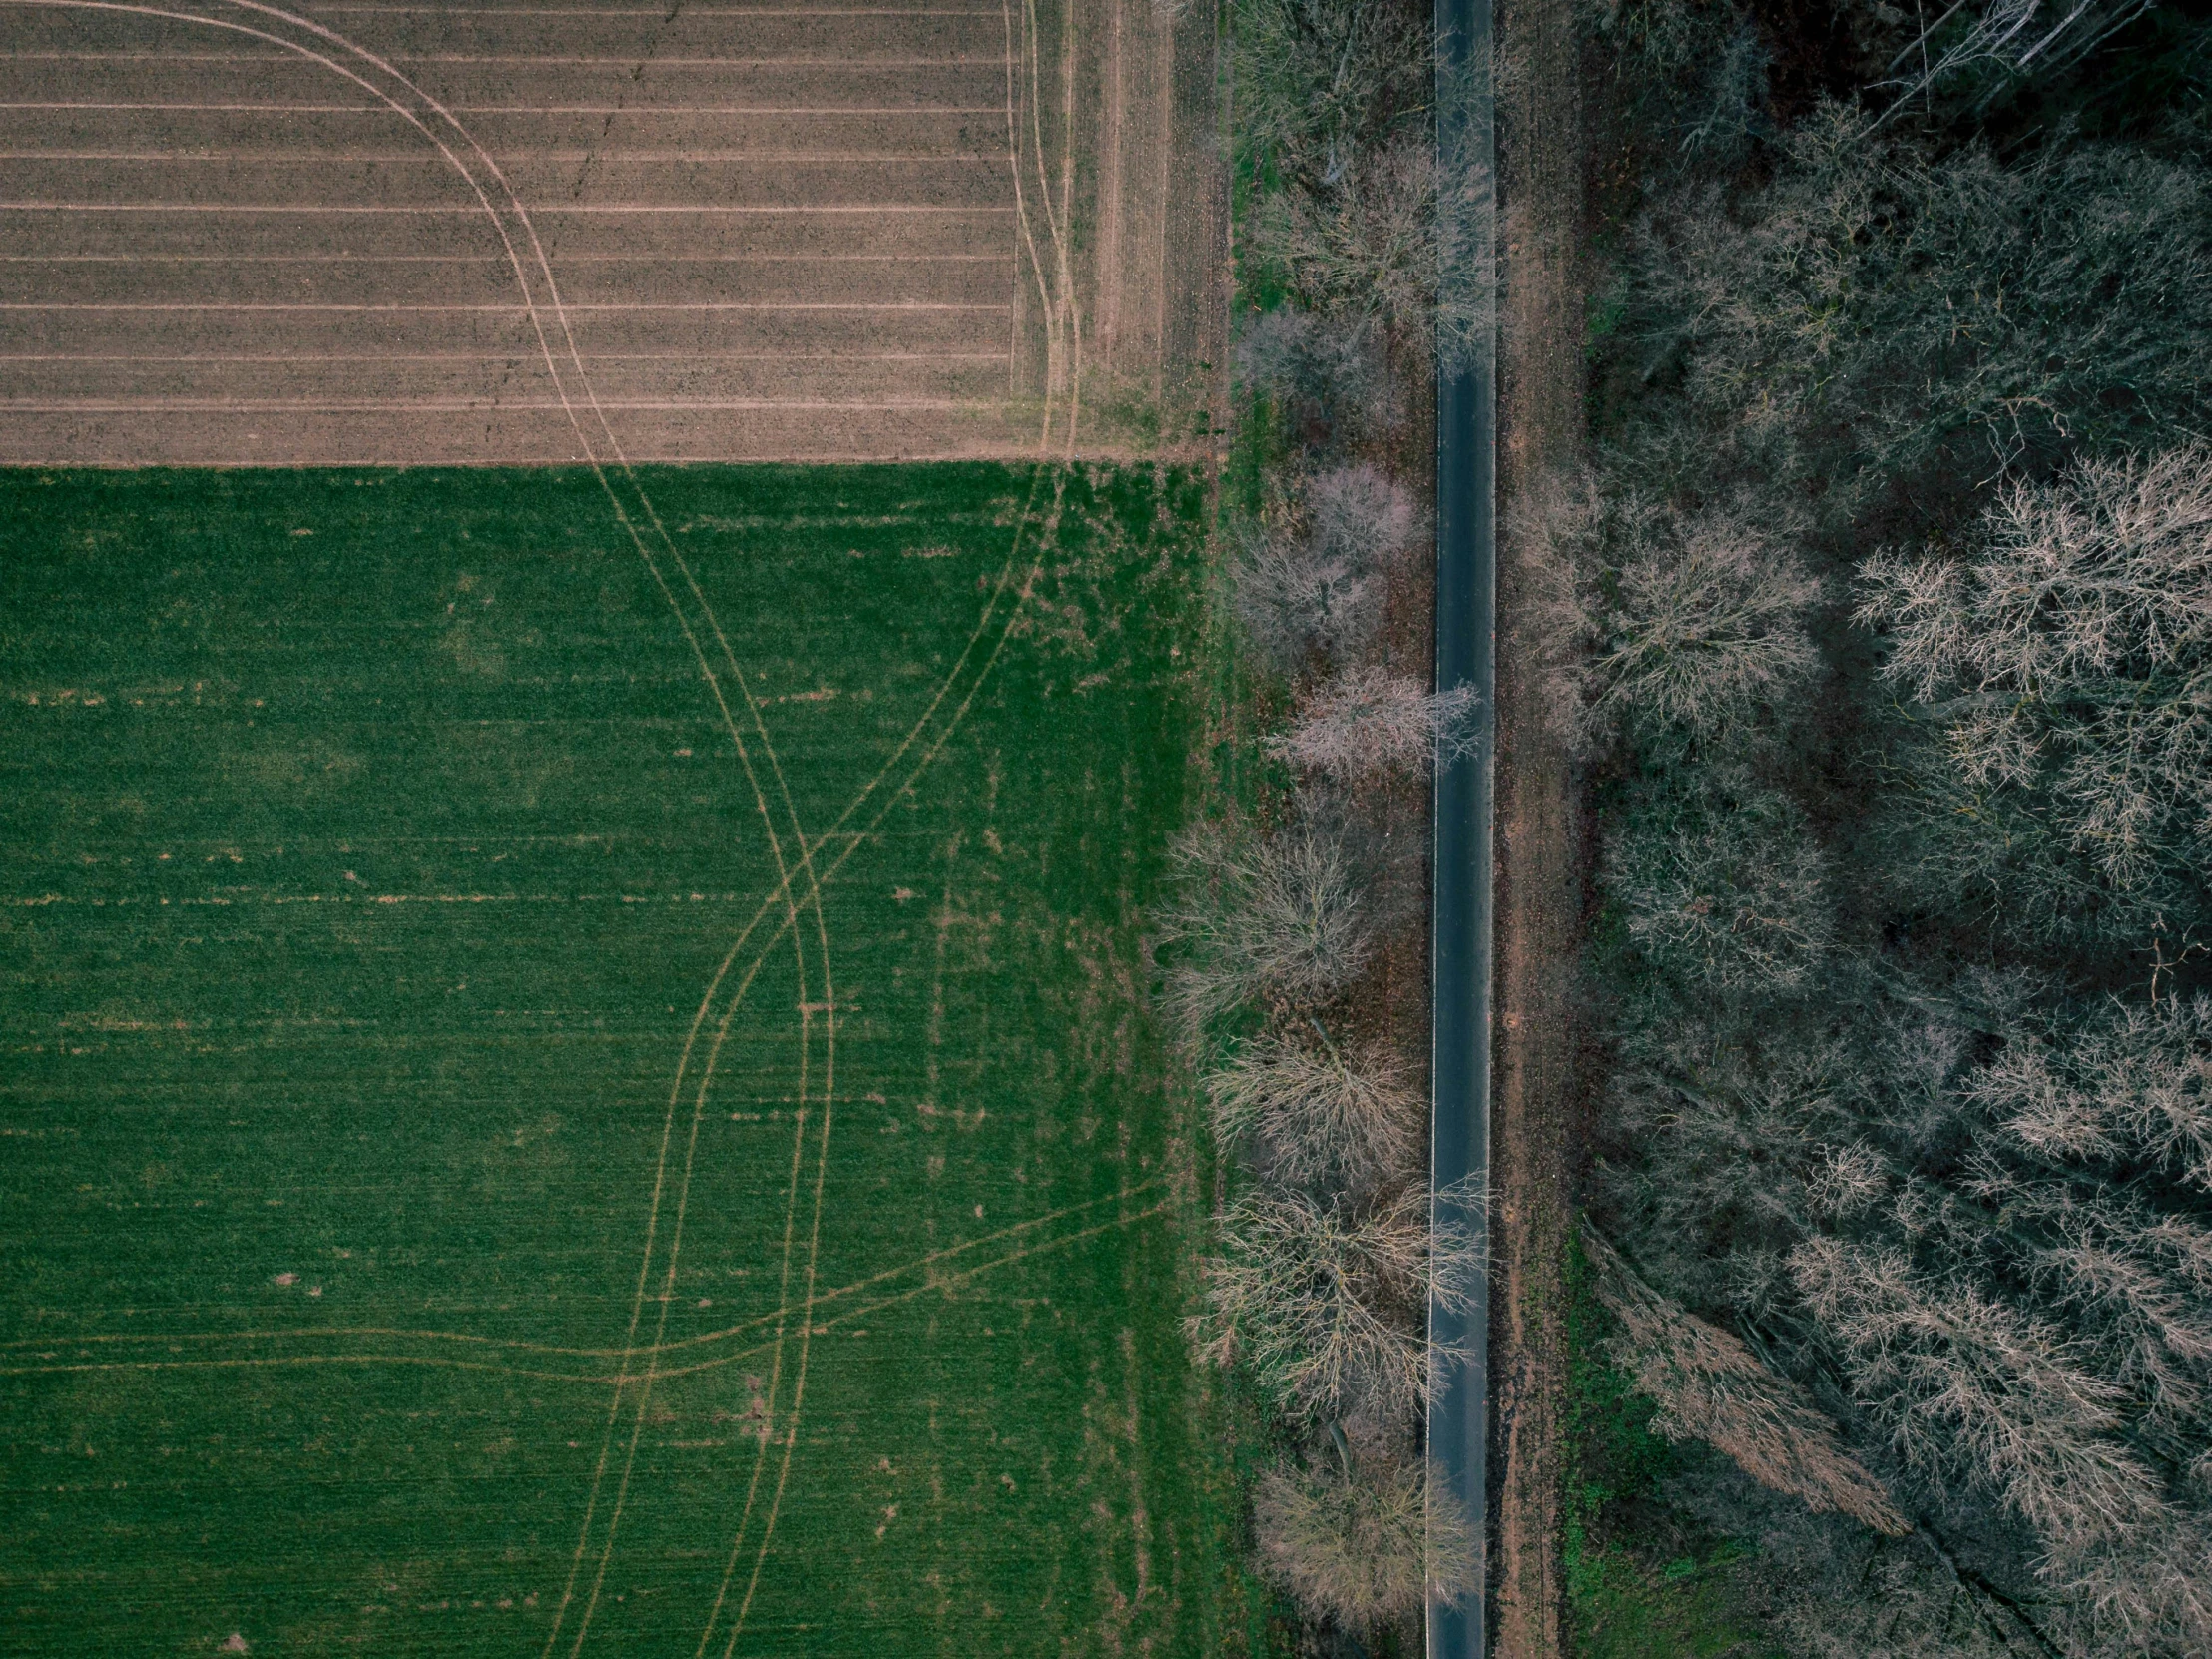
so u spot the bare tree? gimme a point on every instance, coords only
(1373, 246)
(1368, 1542)
(1359, 515)
(1310, 580)
(2066, 669)
(1968, 1384)
(1368, 722)
(1318, 1118)
(1873, 321)
(1316, 79)
(1970, 1388)
(1325, 376)
(1672, 622)
(2133, 1088)
(1258, 918)
(2003, 44)
(1709, 1387)
(1325, 1303)
(1688, 85)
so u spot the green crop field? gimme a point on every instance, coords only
(576, 1078)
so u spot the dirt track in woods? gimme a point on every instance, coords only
(1540, 831)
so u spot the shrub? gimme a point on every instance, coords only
(1365, 1545)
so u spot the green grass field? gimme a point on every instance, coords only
(576, 1078)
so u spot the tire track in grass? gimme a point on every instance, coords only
(713, 1361)
(1061, 320)
(523, 1346)
(627, 517)
(1063, 348)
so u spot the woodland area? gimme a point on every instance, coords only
(1883, 610)
(1888, 593)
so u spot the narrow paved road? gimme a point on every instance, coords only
(1466, 655)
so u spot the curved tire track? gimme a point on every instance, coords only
(615, 478)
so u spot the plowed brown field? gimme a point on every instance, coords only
(235, 232)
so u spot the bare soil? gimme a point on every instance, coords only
(769, 235)
(1534, 1104)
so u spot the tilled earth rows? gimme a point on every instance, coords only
(409, 234)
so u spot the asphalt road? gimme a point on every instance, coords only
(1467, 655)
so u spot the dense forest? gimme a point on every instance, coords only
(1885, 608)
(1881, 621)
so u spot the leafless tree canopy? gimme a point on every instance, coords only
(1375, 245)
(1691, 622)
(2006, 1259)
(1367, 1545)
(2065, 667)
(1318, 78)
(1711, 1388)
(1318, 1118)
(1369, 722)
(1724, 890)
(1327, 376)
(1324, 1261)
(1259, 918)
(1903, 941)
(2001, 44)
(1323, 1300)
(1309, 582)
(1873, 321)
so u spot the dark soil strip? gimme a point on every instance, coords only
(1538, 827)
